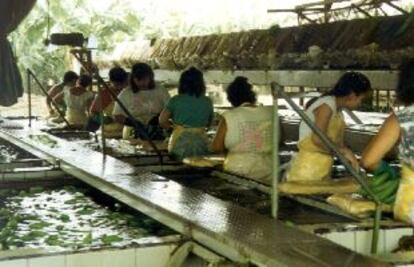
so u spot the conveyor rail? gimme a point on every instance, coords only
(226, 228)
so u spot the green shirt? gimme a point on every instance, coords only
(190, 111)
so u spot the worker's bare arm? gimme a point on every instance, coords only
(164, 119)
(218, 143)
(387, 137)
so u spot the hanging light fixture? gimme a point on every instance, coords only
(74, 39)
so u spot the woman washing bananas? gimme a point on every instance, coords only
(245, 134)
(397, 128)
(145, 99)
(104, 103)
(77, 101)
(189, 114)
(313, 162)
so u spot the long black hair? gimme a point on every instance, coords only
(141, 71)
(405, 88)
(118, 75)
(351, 82)
(85, 80)
(70, 76)
(240, 91)
(192, 83)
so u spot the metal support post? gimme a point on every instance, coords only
(275, 157)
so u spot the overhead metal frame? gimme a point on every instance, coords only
(328, 10)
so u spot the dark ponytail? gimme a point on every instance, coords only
(192, 83)
(141, 71)
(240, 91)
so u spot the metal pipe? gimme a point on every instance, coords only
(29, 94)
(396, 7)
(376, 230)
(361, 10)
(328, 143)
(60, 113)
(275, 158)
(103, 139)
(121, 105)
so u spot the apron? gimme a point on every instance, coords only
(128, 132)
(252, 156)
(404, 202)
(76, 108)
(113, 129)
(312, 163)
(188, 142)
(154, 131)
(256, 166)
(76, 118)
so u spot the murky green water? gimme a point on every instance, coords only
(69, 218)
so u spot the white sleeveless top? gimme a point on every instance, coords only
(143, 105)
(249, 129)
(77, 106)
(77, 102)
(304, 130)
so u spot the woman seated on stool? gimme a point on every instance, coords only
(188, 114)
(104, 103)
(69, 81)
(398, 128)
(245, 133)
(144, 99)
(77, 100)
(314, 161)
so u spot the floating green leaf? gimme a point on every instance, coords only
(109, 239)
(53, 240)
(87, 239)
(33, 235)
(38, 225)
(64, 218)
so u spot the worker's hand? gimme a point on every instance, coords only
(384, 167)
(51, 112)
(349, 155)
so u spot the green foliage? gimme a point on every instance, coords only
(114, 25)
(111, 22)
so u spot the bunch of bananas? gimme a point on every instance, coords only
(384, 186)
